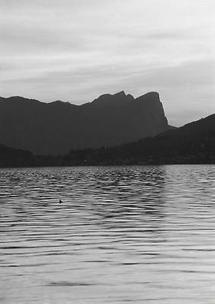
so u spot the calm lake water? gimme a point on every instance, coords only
(121, 235)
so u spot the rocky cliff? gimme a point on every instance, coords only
(57, 127)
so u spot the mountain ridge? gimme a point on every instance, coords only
(57, 127)
(153, 95)
(193, 143)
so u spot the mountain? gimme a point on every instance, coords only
(57, 127)
(10, 157)
(192, 143)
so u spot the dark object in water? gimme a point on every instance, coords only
(60, 201)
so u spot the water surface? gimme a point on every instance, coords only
(121, 235)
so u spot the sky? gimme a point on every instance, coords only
(76, 50)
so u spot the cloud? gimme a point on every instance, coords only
(78, 49)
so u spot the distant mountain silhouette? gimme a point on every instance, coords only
(192, 143)
(57, 127)
(10, 157)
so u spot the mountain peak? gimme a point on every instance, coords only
(57, 127)
(121, 93)
(149, 97)
(119, 98)
(60, 102)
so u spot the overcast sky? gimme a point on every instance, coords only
(75, 50)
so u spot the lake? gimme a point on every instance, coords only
(141, 234)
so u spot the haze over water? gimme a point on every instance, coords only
(122, 234)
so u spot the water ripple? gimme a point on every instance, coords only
(122, 234)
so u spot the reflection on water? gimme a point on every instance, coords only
(122, 234)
